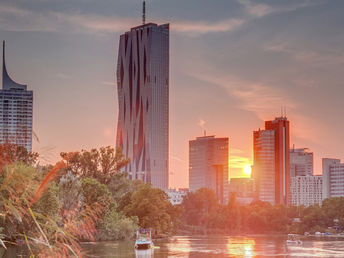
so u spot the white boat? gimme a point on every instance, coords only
(293, 240)
(144, 239)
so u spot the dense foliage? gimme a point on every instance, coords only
(83, 197)
(202, 213)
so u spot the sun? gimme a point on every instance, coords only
(247, 170)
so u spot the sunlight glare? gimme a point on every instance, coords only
(247, 169)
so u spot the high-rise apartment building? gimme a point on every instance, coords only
(333, 178)
(306, 190)
(208, 165)
(301, 162)
(271, 162)
(143, 99)
(16, 109)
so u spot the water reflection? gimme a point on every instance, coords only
(144, 253)
(210, 246)
(241, 246)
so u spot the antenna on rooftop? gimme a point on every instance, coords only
(144, 13)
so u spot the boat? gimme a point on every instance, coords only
(144, 239)
(293, 239)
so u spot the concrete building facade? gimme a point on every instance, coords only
(16, 111)
(301, 162)
(208, 165)
(306, 190)
(333, 178)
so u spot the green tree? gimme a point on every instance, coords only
(152, 207)
(120, 185)
(12, 153)
(116, 226)
(100, 164)
(233, 221)
(333, 208)
(49, 204)
(199, 207)
(96, 193)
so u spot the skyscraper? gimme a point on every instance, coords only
(16, 108)
(143, 98)
(264, 165)
(301, 162)
(271, 162)
(208, 165)
(333, 178)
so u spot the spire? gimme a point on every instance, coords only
(3, 53)
(7, 82)
(144, 12)
(4, 71)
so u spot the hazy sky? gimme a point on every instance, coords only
(233, 64)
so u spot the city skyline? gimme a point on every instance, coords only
(244, 62)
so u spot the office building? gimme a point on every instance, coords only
(143, 99)
(333, 178)
(16, 110)
(208, 165)
(243, 188)
(301, 162)
(306, 190)
(271, 162)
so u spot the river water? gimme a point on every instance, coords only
(221, 246)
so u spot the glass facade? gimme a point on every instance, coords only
(16, 110)
(143, 97)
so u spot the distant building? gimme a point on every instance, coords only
(271, 162)
(306, 190)
(16, 109)
(301, 162)
(208, 165)
(333, 178)
(176, 197)
(243, 188)
(143, 99)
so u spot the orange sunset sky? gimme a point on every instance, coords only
(233, 64)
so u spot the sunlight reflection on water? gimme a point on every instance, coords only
(221, 246)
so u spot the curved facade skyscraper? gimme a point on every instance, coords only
(15, 111)
(143, 98)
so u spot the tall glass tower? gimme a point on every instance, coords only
(143, 98)
(271, 168)
(15, 111)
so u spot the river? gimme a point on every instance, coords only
(222, 246)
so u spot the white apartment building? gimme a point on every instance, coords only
(306, 190)
(333, 178)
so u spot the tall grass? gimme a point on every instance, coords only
(21, 187)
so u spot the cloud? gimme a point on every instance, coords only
(257, 10)
(19, 19)
(201, 123)
(239, 161)
(63, 76)
(325, 57)
(108, 83)
(199, 27)
(256, 97)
